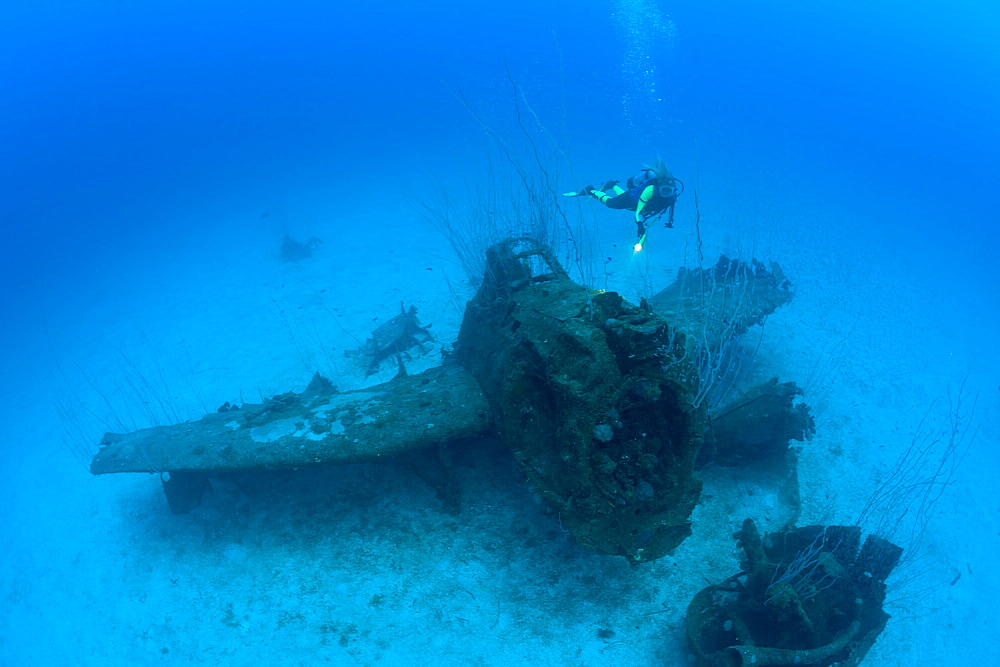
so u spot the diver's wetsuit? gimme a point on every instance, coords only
(645, 199)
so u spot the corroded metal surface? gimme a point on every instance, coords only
(314, 427)
(581, 394)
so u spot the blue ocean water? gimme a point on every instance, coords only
(117, 110)
(853, 141)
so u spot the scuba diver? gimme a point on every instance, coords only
(650, 193)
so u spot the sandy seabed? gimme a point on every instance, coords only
(361, 564)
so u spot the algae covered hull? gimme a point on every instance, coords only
(602, 403)
(318, 426)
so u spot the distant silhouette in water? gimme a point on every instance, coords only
(293, 251)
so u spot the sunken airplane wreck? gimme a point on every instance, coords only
(608, 408)
(604, 404)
